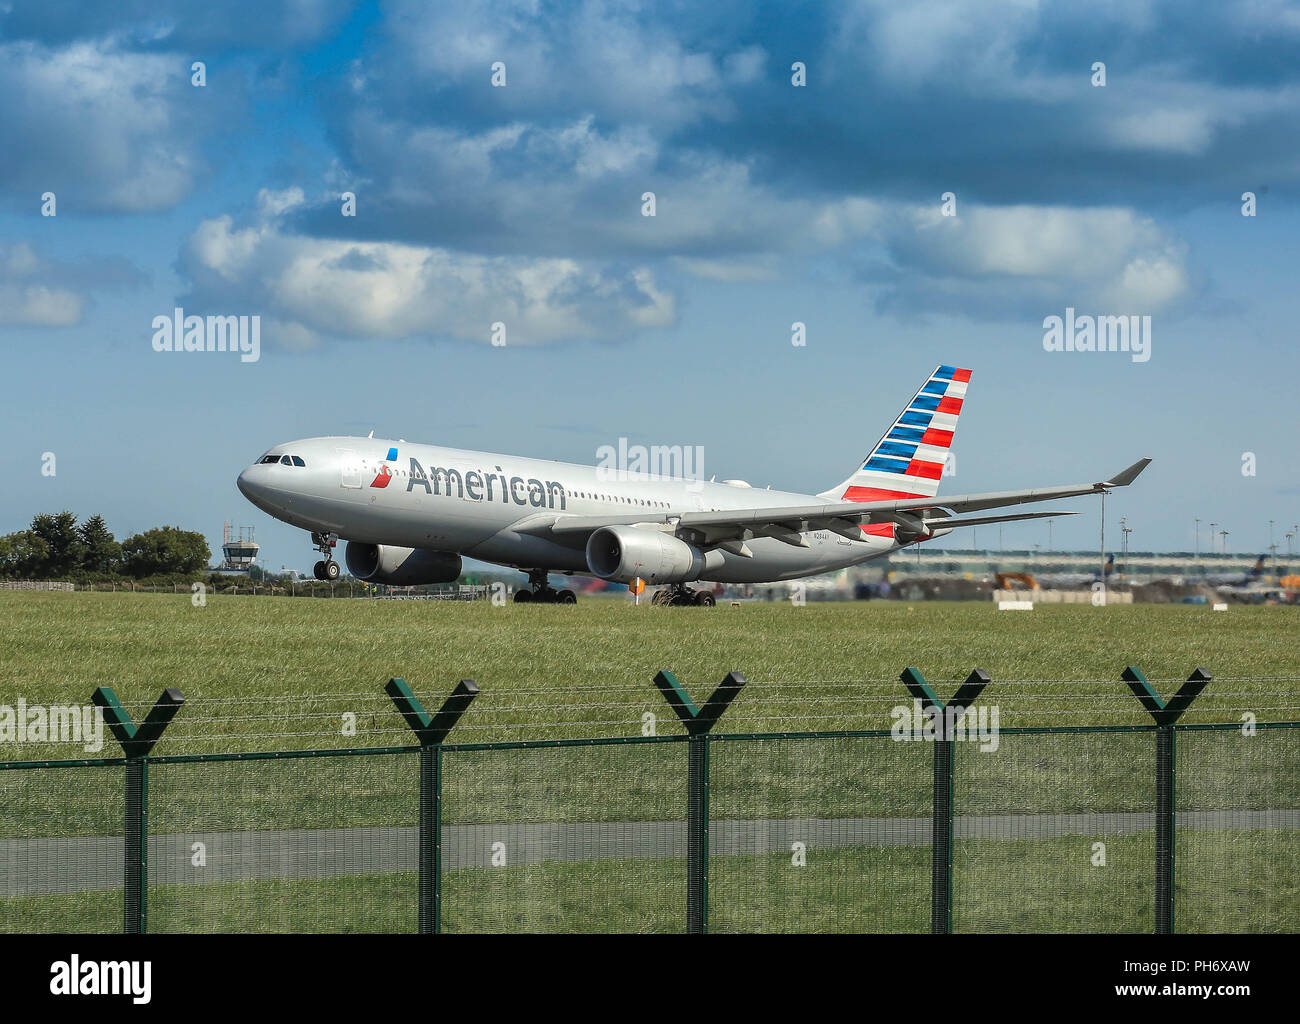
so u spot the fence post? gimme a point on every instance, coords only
(1165, 715)
(136, 742)
(431, 731)
(945, 717)
(698, 723)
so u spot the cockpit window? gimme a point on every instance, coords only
(297, 460)
(270, 458)
(285, 460)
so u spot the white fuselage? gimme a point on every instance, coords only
(476, 503)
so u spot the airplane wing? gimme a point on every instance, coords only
(845, 518)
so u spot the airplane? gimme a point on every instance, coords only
(411, 512)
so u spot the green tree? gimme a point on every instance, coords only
(100, 552)
(59, 532)
(165, 550)
(23, 555)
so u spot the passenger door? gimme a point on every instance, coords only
(349, 468)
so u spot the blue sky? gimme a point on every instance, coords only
(774, 204)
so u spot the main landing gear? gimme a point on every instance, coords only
(679, 594)
(326, 569)
(542, 593)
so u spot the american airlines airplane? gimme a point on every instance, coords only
(409, 512)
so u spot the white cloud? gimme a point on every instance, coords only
(38, 292)
(847, 219)
(36, 305)
(271, 203)
(914, 42)
(1149, 282)
(313, 287)
(1186, 132)
(225, 251)
(613, 59)
(1109, 254)
(729, 271)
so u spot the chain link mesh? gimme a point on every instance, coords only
(1237, 830)
(1055, 832)
(61, 849)
(320, 844)
(568, 839)
(819, 835)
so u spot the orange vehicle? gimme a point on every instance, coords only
(1008, 581)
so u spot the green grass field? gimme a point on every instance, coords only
(278, 674)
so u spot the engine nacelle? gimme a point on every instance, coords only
(401, 567)
(622, 553)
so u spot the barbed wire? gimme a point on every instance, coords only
(636, 723)
(894, 691)
(370, 705)
(867, 684)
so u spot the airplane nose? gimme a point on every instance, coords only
(259, 484)
(252, 484)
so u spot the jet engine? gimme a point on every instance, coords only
(622, 553)
(401, 567)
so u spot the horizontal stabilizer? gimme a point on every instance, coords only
(985, 520)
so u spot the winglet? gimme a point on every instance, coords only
(1127, 476)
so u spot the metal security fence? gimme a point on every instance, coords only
(1140, 828)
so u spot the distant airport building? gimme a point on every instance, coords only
(978, 573)
(1075, 566)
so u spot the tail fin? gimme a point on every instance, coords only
(908, 461)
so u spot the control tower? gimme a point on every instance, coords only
(241, 553)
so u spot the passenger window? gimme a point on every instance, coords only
(297, 461)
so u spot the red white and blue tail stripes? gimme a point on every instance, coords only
(908, 461)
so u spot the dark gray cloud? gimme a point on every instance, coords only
(903, 102)
(993, 100)
(148, 24)
(537, 187)
(106, 129)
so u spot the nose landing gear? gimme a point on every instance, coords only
(326, 569)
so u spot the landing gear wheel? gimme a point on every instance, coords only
(327, 569)
(523, 596)
(680, 594)
(541, 593)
